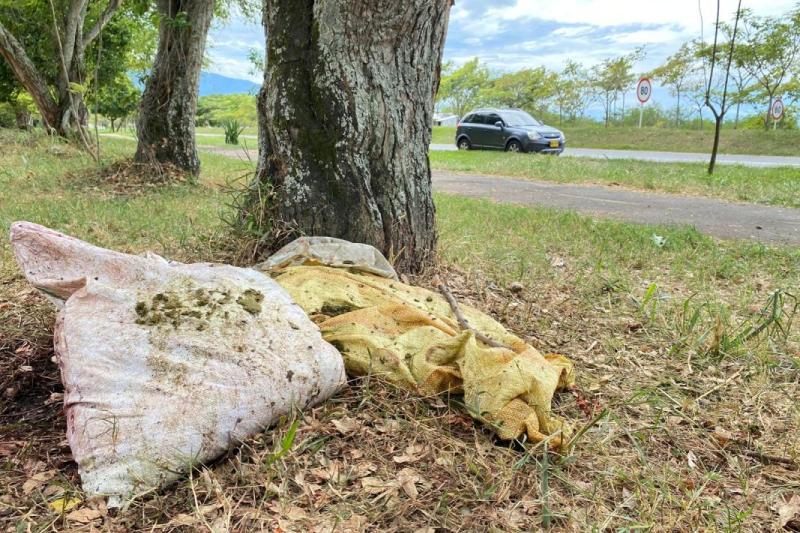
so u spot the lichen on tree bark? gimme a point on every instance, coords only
(345, 116)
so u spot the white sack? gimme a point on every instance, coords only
(167, 365)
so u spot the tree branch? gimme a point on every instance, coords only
(105, 16)
(72, 28)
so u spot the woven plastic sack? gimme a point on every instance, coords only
(166, 365)
(330, 251)
(410, 336)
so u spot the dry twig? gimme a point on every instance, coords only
(463, 321)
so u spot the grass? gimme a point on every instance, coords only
(752, 142)
(687, 421)
(774, 186)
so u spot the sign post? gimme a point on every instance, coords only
(776, 111)
(644, 89)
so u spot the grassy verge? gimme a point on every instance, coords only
(775, 186)
(689, 418)
(753, 142)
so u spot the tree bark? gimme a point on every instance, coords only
(345, 117)
(28, 76)
(165, 127)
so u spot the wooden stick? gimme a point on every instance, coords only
(463, 321)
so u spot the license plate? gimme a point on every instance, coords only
(554, 144)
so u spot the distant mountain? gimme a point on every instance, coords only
(211, 83)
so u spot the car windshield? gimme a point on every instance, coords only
(519, 118)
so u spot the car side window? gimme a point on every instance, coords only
(494, 117)
(469, 119)
(479, 118)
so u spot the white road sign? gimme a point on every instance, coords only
(644, 90)
(777, 110)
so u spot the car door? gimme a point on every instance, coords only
(479, 132)
(494, 136)
(467, 127)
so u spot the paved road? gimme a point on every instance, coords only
(710, 216)
(598, 153)
(669, 157)
(719, 218)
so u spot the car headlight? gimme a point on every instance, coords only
(534, 136)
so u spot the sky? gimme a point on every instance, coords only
(508, 35)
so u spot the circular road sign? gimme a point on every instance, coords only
(644, 90)
(777, 110)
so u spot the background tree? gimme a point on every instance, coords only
(676, 73)
(769, 50)
(613, 78)
(345, 118)
(573, 91)
(118, 100)
(57, 62)
(165, 127)
(460, 88)
(531, 89)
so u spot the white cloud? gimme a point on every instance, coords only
(233, 67)
(683, 13)
(642, 37)
(573, 31)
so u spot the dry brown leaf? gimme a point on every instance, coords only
(37, 480)
(183, 519)
(346, 425)
(412, 454)
(364, 469)
(691, 458)
(407, 479)
(85, 515)
(374, 485)
(723, 436)
(788, 511)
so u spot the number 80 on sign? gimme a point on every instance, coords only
(644, 89)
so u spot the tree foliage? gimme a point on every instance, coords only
(677, 73)
(769, 51)
(460, 88)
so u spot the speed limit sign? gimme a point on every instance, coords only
(777, 110)
(644, 90)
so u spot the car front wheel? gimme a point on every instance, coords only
(514, 146)
(464, 144)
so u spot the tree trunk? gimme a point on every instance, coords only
(714, 149)
(345, 117)
(736, 120)
(769, 113)
(165, 127)
(23, 118)
(29, 77)
(678, 110)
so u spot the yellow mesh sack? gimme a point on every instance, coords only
(410, 336)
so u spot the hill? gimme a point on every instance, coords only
(211, 83)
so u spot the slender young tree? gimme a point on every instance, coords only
(165, 127)
(719, 109)
(345, 118)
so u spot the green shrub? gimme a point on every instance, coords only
(232, 131)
